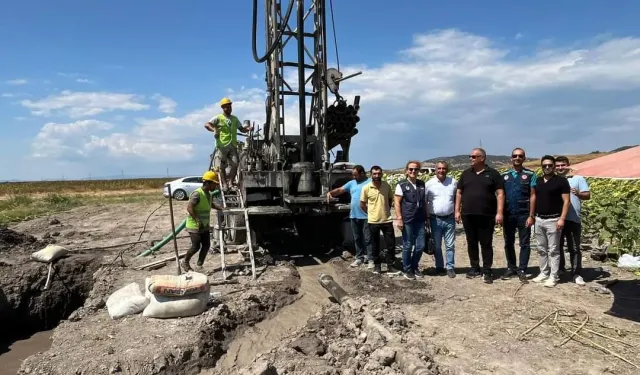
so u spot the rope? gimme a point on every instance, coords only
(335, 37)
(144, 227)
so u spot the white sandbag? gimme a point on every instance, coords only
(164, 307)
(185, 284)
(127, 300)
(49, 254)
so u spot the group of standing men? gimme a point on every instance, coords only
(482, 198)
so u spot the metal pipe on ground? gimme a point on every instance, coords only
(409, 363)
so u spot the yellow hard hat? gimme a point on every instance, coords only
(210, 176)
(225, 101)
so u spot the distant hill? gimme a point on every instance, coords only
(462, 161)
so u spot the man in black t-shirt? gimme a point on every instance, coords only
(552, 206)
(480, 194)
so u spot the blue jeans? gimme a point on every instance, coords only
(444, 227)
(513, 224)
(361, 238)
(413, 236)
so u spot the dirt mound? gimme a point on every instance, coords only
(90, 342)
(11, 240)
(338, 342)
(26, 306)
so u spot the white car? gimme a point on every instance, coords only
(182, 188)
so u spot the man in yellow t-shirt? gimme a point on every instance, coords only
(376, 199)
(225, 127)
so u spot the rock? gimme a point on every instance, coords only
(55, 234)
(54, 221)
(385, 355)
(309, 345)
(346, 255)
(372, 366)
(261, 367)
(348, 371)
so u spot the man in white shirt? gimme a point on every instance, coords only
(441, 196)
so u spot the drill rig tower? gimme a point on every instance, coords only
(284, 175)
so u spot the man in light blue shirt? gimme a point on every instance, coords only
(359, 225)
(572, 230)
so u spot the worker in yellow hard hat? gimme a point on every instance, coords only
(198, 221)
(225, 127)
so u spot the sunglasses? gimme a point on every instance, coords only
(474, 156)
(517, 156)
(547, 165)
(413, 169)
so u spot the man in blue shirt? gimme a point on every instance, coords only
(358, 217)
(572, 230)
(520, 193)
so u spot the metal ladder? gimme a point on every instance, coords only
(234, 204)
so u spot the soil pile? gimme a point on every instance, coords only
(11, 240)
(337, 342)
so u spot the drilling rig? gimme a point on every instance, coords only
(284, 175)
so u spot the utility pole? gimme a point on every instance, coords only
(167, 171)
(122, 173)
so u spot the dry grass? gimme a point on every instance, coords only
(83, 186)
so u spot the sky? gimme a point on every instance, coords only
(111, 88)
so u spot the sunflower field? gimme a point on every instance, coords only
(611, 217)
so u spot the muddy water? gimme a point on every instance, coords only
(11, 360)
(268, 334)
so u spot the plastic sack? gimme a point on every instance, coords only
(164, 307)
(125, 301)
(629, 261)
(175, 286)
(49, 254)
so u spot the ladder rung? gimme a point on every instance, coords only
(226, 228)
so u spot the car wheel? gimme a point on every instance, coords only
(180, 194)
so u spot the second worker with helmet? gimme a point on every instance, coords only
(225, 127)
(199, 219)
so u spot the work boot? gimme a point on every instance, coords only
(187, 258)
(523, 277)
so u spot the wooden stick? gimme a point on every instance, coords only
(598, 333)
(119, 245)
(224, 282)
(173, 230)
(46, 285)
(521, 336)
(584, 323)
(156, 262)
(596, 345)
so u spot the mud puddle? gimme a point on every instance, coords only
(268, 334)
(12, 355)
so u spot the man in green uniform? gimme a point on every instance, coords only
(198, 222)
(225, 127)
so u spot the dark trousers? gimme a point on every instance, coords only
(389, 237)
(511, 225)
(479, 229)
(572, 233)
(361, 238)
(199, 242)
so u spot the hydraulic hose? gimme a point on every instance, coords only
(276, 42)
(169, 237)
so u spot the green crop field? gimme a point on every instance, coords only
(610, 217)
(80, 186)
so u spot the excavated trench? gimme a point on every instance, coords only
(27, 310)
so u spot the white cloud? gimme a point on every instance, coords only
(165, 104)
(84, 104)
(17, 82)
(8, 95)
(442, 95)
(84, 80)
(65, 140)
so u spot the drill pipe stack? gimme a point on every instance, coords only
(342, 120)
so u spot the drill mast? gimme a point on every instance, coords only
(296, 71)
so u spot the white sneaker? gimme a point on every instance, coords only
(579, 280)
(357, 263)
(540, 278)
(551, 282)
